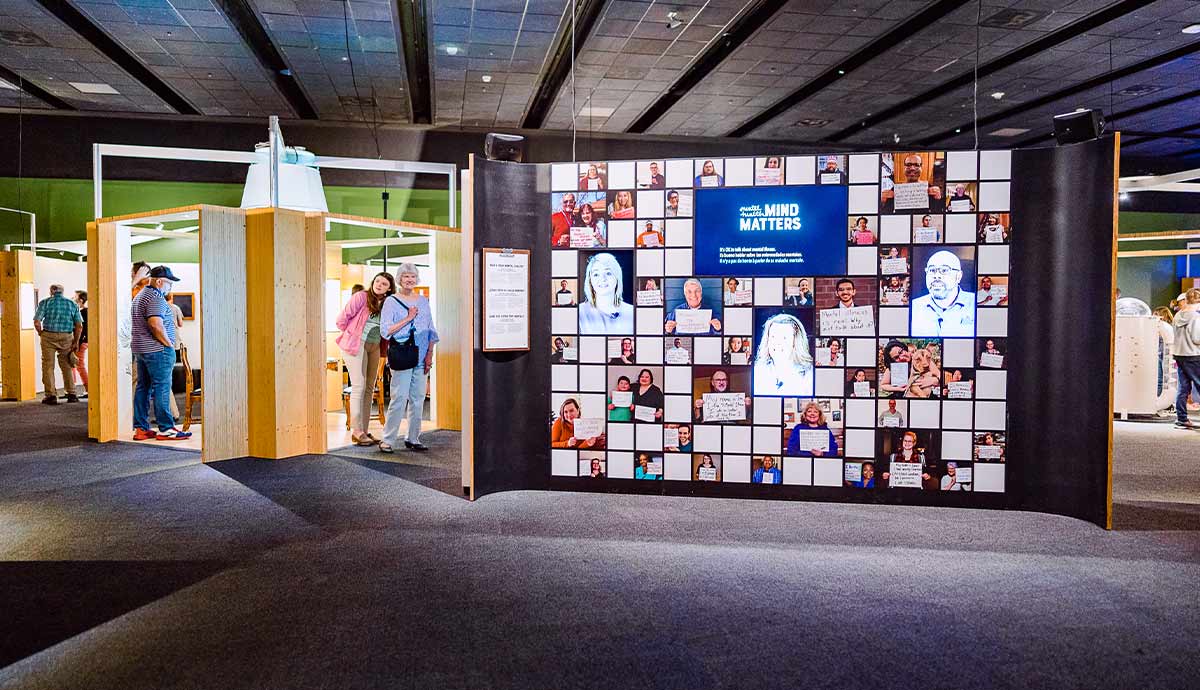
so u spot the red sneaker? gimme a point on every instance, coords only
(144, 435)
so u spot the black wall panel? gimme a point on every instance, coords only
(512, 389)
(1060, 322)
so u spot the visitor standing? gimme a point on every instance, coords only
(58, 325)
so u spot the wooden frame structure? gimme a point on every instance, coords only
(18, 368)
(261, 302)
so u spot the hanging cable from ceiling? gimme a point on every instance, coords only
(975, 82)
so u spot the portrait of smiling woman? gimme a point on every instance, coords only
(602, 308)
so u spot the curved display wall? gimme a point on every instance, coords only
(827, 326)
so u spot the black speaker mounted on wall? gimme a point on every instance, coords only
(504, 147)
(1081, 125)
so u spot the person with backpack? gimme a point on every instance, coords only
(407, 323)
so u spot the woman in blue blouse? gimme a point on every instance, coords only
(405, 313)
(812, 418)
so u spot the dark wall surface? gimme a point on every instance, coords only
(1060, 321)
(512, 389)
(61, 147)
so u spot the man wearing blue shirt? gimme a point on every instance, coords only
(768, 473)
(693, 298)
(59, 326)
(947, 311)
(153, 343)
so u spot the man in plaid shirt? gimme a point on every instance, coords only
(59, 323)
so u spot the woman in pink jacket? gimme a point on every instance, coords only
(361, 349)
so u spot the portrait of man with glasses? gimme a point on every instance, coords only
(946, 310)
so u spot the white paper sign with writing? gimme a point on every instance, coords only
(583, 237)
(960, 205)
(988, 452)
(614, 348)
(862, 389)
(506, 300)
(709, 181)
(831, 178)
(649, 298)
(650, 239)
(853, 321)
(899, 372)
(642, 413)
(588, 427)
(853, 472)
(742, 297)
(768, 477)
(894, 298)
(739, 358)
(707, 474)
(692, 320)
(925, 235)
(998, 292)
(991, 360)
(685, 204)
(570, 353)
(890, 267)
(905, 475)
(911, 195)
(814, 439)
(963, 475)
(654, 467)
(565, 299)
(792, 291)
(891, 421)
(670, 438)
(958, 389)
(678, 355)
(724, 407)
(622, 398)
(767, 176)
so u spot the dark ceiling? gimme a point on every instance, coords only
(848, 73)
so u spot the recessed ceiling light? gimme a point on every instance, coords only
(1008, 132)
(1191, 29)
(841, 71)
(89, 87)
(997, 95)
(487, 78)
(958, 130)
(594, 111)
(345, 58)
(452, 50)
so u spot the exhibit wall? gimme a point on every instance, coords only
(831, 327)
(834, 322)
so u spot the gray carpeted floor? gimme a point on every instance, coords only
(133, 567)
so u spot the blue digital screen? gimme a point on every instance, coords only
(771, 231)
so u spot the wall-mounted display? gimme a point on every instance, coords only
(835, 320)
(505, 299)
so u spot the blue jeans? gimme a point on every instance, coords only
(1189, 376)
(408, 390)
(154, 378)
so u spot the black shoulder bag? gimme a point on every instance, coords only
(403, 355)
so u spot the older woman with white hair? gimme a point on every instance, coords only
(784, 364)
(602, 310)
(406, 315)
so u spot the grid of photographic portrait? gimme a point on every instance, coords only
(889, 376)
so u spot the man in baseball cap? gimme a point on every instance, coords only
(154, 342)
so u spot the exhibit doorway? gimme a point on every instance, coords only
(357, 250)
(171, 239)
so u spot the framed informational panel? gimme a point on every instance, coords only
(505, 300)
(836, 322)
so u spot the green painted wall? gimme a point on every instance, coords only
(1153, 279)
(64, 207)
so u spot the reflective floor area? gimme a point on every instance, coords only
(131, 566)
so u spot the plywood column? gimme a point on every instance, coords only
(225, 429)
(285, 256)
(333, 377)
(447, 265)
(18, 370)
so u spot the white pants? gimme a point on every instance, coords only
(408, 389)
(364, 367)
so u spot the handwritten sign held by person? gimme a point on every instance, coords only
(905, 475)
(814, 439)
(911, 195)
(588, 427)
(692, 320)
(724, 407)
(852, 321)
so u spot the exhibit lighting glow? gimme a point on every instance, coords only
(300, 185)
(1191, 29)
(997, 95)
(452, 50)
(1123, 196)
(487, 78)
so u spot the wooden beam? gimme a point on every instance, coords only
(1156, 252)
(1112, 331)
(18, 368)
(447, 266)
(224, 428)
(1163, 235)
